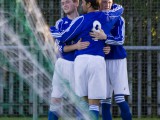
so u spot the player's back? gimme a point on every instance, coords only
(93, 21)
(81, 26)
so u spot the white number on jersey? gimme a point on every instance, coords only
(96, 27)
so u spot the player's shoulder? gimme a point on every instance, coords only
(93, 16)
(58, 22)
(78, 19)
(61, 20)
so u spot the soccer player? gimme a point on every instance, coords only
(64, 69)
(89, 65)
(116, 66)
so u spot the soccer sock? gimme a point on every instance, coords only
(125, 112)
(94, 109)
(78, 115)
(52, 115)
(106, 113)
(83, 104)
(54, 111)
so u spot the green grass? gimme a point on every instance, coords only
(30, 118)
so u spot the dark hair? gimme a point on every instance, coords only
(94, 3)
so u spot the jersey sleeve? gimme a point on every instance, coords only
(112, 16)
(60, 46)
(55, 32)
(117, 35)
(56, 29)
(58, 24)
(117, 10)
(71, 32)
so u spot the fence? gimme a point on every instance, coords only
(143, 73)
(143, 47)
(144, 80)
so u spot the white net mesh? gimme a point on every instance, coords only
(21, 46)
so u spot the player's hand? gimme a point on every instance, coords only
(82, 45)
(98, 35)
(107, 49)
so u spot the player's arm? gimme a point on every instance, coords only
(117, 35)
(59, 45)
(113, 15)
(98, 35)
(117, 10)
(77, 46)
(106, 49)
(56, 29)
(71, 32)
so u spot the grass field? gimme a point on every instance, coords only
(26, 118)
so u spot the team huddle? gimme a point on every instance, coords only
(93, 59)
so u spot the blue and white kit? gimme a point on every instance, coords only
(116, 62)
(64, 66)
(89, 65)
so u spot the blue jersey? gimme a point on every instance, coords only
(81, 26)
(62, 25)
(116, 40)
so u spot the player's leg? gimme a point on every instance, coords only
(120, 86)
(94, 108)
(63, 71)
(96, 83)
(106, 103)
(124, 107)
(83, 103)
(81, 87)
(81, 81)
(54, 110)
(55, 105)
(106, 106)
(56, 95)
